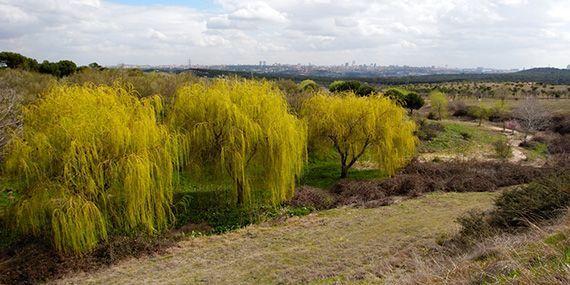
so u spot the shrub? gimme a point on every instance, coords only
(459, 108)
(560, 145)
(479, 113)
(419, 178)
(360, 193)
(474, 226)
(541, 200)
(93, 162)
(560, 124)
(344, 86)
(240, 132)
(503, 149)
(313, 198)
(309, 86)
(465, 135)
(413, 101)
(364, 90)
(396, 95)
(427, 131)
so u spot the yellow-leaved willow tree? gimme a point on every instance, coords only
(354, 125)
(241, 131)
(93, 160)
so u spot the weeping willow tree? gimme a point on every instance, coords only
(355, 125)
(241, 131)
(93, 161)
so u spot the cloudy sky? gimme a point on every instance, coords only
(457, 33)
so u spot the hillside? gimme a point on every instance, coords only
(345, 244)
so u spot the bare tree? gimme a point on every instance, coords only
(9, 117)
(532, 116)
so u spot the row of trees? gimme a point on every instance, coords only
(60, 69)
(105, 164)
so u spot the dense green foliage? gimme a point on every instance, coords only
(342, 86)
(413, 101)
(359, 88)
(93, 161)
(372, 124)
(17, 61)
(241, 131)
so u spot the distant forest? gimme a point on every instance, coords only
(540, 75)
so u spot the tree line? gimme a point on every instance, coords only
(59, 69)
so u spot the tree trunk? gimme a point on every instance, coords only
(344, 171)
(240, 197)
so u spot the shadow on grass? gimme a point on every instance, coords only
(324, 173)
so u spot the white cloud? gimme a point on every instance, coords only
(496, 33)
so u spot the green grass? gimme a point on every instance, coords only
(325, 172)
(462, 138)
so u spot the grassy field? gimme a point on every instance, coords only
(351, 245)
(461, 138)
(555, 106)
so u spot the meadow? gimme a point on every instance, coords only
(122, 176)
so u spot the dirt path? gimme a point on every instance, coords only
(514, 138)
(347, 244)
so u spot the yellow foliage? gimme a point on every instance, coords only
(93, 159)
(354, 125)
(241, 130)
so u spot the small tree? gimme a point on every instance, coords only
(344, 86)
(365, 90)
(371, 124)
(439, 104)
(92, 161)
(395, 95)
(241, 131)
(478, 112)
(503, 149)
(413, 101)
(309, 86)
(531, 115)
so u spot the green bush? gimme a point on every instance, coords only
(503, 149)
(474, 226)
(541, 200)
(309, 86)
(344, 86)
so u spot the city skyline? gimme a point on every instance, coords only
(500, 34)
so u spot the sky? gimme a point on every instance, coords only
(454, 33)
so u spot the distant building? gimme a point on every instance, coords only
(568, 67)
(4, 65)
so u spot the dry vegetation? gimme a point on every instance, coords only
(346, 244)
